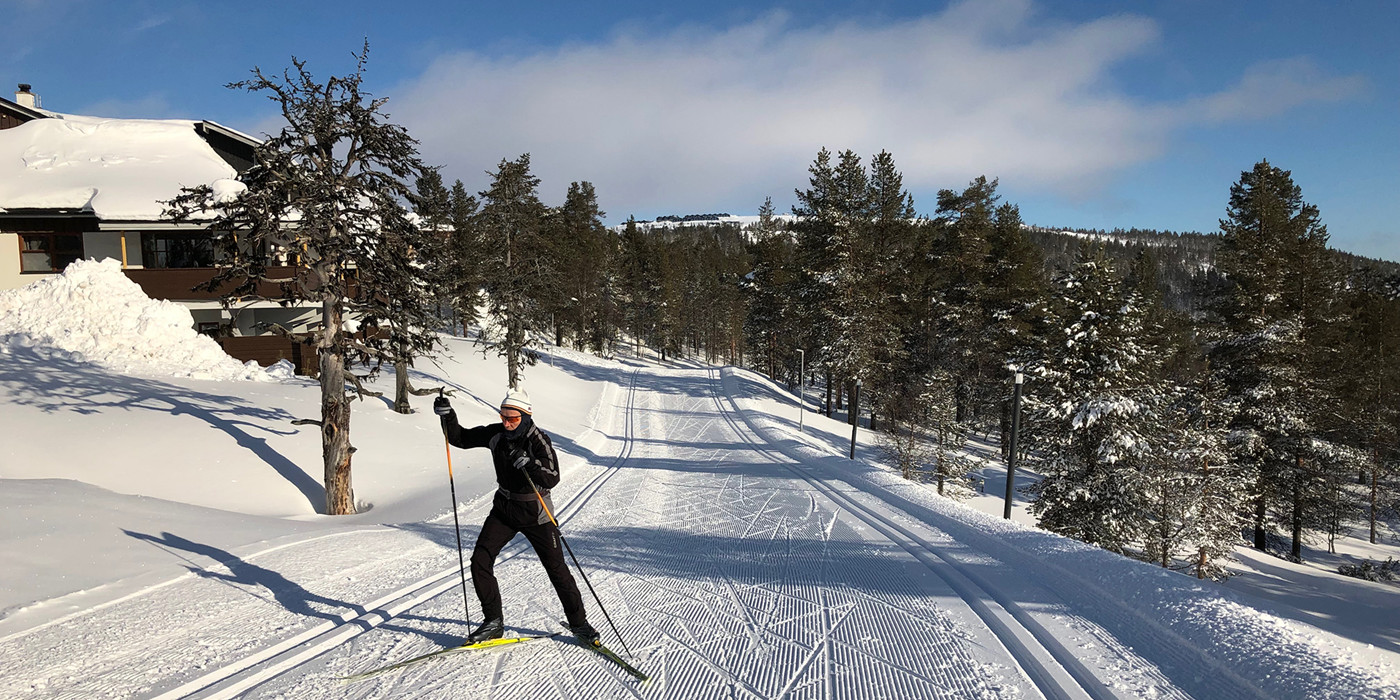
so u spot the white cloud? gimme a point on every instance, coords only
(699, 117)
(1271, 88)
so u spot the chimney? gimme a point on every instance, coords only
(25, 98)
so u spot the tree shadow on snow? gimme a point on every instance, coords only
(55, 385)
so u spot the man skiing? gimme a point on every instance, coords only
(521, 453)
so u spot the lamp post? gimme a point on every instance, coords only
(1011, 457)
(801, 388)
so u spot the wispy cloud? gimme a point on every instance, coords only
(696, 117)
(153, 106)
(1271, 88)
(152, 22)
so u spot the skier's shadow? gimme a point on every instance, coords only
(287, 593)
(242, 575)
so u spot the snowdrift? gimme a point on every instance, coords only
(94, 313)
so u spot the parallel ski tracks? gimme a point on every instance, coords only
(1052, 668)
(252, 670)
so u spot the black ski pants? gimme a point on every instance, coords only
(496, 533)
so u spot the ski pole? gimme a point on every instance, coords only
(577, 565)
(456, 526)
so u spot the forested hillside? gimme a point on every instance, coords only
(1182, 389)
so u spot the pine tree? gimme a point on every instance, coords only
(770, 322)
(518, 271)
(1272, 356)
(813, 229)
(464, 258)
(885, 288)
(580, 245)
(329, 189)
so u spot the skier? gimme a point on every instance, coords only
(518, 447)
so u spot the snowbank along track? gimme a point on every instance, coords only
(231, 679)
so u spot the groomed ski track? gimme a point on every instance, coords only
(738, 560)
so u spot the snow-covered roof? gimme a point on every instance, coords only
(118, 169)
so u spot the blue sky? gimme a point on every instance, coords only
(1092, 114)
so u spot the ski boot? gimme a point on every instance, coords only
(490, 629)
(585, 633)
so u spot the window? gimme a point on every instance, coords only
(48, 252)
(176, 250)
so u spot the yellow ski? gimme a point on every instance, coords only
(488, 644)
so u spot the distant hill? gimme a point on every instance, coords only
(1185, 260)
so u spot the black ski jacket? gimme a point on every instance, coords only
(515, 501)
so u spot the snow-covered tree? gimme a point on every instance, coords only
(329, 190)
(1092, 409)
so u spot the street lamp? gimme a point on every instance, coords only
(801, 387)
(1011, 458)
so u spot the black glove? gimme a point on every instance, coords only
(522, 460)
(442, 406)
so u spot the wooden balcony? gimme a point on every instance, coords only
(179, 284)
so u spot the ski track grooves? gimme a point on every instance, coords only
(1052, 668)
(240, 676)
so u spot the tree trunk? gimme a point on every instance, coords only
(1201, 560)
(1375, 478)
(335, 414)
(1297, 514)
(1166, 531)
(1261, 541)
(827, 408)
(401, 404)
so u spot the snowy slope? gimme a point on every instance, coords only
(161, 540)
(738, 558)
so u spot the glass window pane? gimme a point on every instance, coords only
(35, 242)
(68, 243)
(34, 262)
(61, 260)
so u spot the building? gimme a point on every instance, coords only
(74, 187)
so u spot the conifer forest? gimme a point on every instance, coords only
(1183, 392)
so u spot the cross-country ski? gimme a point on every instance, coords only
(495, 643)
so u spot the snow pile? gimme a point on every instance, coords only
(116, 168)
(93, 313)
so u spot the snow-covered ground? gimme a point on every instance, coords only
(161, 540)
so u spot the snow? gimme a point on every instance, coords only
(161, 540)
(119, 169)
(93, 313)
